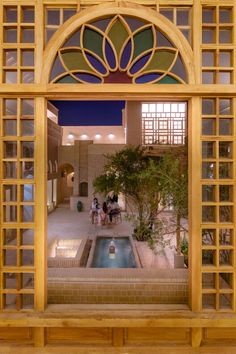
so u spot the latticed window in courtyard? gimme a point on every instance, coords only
(119, 49)
(218, 240)
(164, 123)
(18, 44)
(17, 204)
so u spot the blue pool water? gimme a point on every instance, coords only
(122, 258)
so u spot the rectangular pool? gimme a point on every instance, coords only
(113, 253)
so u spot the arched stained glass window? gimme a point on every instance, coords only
(118, 50)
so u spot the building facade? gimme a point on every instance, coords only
(183, 50)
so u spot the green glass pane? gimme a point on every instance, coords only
(118, 34)
(168, 80)
(161, 60)
(74, 60)
(92, 40)
(143, 40)
(67, 80)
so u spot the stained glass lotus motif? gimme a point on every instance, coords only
(118, 49)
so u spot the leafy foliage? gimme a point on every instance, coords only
(149, 185)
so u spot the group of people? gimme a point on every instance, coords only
(106, 212)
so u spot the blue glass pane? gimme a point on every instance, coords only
(57, 69)
(101, 24)
(139, 64)
(125, 57)
(146, 78)
(96, 64)
(74, 40)
(134, 23)
(162, 41)
(89, 78)
(110, 56)
(179, 69)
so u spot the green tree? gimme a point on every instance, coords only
(149, 185)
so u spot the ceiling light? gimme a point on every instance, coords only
(111, 136)
(84, 136)
(98, 136)
(70, 136)
(68, 144)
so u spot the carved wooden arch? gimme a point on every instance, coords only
(122, 8)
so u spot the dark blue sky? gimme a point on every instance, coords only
(76, 113)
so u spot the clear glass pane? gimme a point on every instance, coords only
(208, 280)
(27, 149)
(225, 77)
(226, 213)
(10, 258)
(209, 301)
(27, 257)
(10, 14)
(10, 35)
(10, 127)
(9, 170)
(208, 15)
(28, 14)
(10, 107)
(10, 213)
(27, 127)
(208, 126)
(208, 77)
(226, 236)
(10, 193)
(28, 280)
(27, 57)
(53, 17)
(27, 170)
(209, 237)
(225, 149)
(10, 237)
(208, 213)
(208, 36)
(182, 17)
(27, 107)
(208, 170)
(208, 58)
(225, 36)
(10, 76)
(225, 59)
(27, 77)
(27, 193)
(27, 35)
(10, 149)
(225, 15)
(27, 301)
(10, 57)
(49, 33)
(10, 280)
(208, 149)
(27, 212)
(67, 13)
(225, 257)
(225, 106)
(27, 237)
(226, 193)
(225, 170)
(225, 280)
(168, 13)
(225, 126)
(208, 106)
(10, 301)
(208, 193)
(226, 301)
(208, 257)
